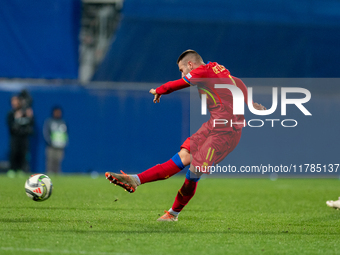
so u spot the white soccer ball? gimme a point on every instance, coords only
(38, 187)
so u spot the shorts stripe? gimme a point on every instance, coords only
(212, 153)
(208, 153)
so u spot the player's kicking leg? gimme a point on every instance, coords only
(334, 204)
(205, 156)
(158, 172)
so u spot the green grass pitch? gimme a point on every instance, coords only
(226, 216)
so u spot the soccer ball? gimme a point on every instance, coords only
(38, 187)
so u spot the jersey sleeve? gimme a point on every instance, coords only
(241, 86)
(172, 86)
(185, 82)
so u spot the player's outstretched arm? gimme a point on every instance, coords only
(168, 88)
(157, 97)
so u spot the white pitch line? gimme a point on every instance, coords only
(38, 250)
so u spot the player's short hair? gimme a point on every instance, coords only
(194, 54)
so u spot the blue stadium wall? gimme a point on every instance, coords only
(108, 128)
(40, 39)
(262, 38)
(113, 128)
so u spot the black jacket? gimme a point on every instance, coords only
(22, 126)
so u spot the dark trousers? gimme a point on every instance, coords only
(18, 153)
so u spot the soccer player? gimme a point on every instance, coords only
(209, 145)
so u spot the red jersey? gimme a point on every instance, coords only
(219, 101)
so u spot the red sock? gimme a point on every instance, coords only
(159, 172)
(184, 195)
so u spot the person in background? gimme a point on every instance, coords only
(56, 137)
(20, 123)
